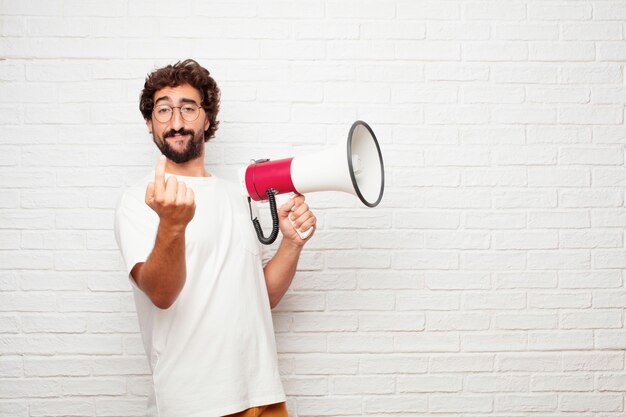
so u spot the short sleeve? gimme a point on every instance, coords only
(135, 230)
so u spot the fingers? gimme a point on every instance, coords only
(149, 193)
(159, 175)
(301, 216)
(171, 189)
(181, 193)
(189, 197)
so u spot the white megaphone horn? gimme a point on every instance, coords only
(355, 167)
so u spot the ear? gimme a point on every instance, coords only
(149, 124)
(207, 123)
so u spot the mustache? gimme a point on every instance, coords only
(181, 131)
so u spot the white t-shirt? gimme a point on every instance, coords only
(213, 351)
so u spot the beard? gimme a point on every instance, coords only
(192, 151)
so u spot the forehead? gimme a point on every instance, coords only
(178, 93)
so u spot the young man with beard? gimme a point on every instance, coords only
(202, 293)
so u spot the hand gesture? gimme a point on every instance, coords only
(295, 214)
(171, 199)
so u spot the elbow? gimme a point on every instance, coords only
(274, 302)
(163, 302)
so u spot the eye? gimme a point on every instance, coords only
(188, 109)
(163, 109)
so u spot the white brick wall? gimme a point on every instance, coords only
(488, 282)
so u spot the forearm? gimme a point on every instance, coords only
(280, 270)
(163, 275)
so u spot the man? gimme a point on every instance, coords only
(202, 293)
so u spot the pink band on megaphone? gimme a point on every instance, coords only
(261, 176)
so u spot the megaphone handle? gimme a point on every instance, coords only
(306, 233)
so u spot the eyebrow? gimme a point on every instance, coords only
(183, 100)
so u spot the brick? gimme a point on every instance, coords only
(526, 240)
(351, 385)
(428, 301)
(457, 321)
(94, 386)
(495, 342)
(391, 322)
(559, 300)
(591, 31)
(494, 220)
(526, 321)
(115, 406)
(426, 342)
(611, 382)
(329, 406)
(362, 300)
(591, 402)
(561, 382)
(556, 11)
(528, 362)
(458, 403)
(396, 404)
(325, 322)
(559, 177)
(305, 386)
(462, 362)
(528, 403)
(49, 323)
(393, 365)
(457, 281)
(593, 279)
(427, 50)
(459, 30)
(590, 239)
(610, 340)
(496, 383)
(295, 343)
(526, 279)
(456, 72)
(494, 51)
(438, 260)
(562, 51)
(369, 280)
(526, 31)
(593, 361)
(562, 340)
(14, 409)
(51, 367)
(429, 384)
(549, 95)
(525, 73)
(431, 10)
(326, 364)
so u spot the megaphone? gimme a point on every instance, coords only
(354, 167)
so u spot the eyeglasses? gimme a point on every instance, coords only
(163, 113)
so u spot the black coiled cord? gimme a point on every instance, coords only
(257, 225)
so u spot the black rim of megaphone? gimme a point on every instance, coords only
(351, 168)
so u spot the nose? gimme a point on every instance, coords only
(177, 120)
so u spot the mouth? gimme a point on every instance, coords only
(177, 137)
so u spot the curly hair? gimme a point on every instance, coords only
(183, 72)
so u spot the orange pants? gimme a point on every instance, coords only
(271, 410)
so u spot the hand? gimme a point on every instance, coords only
(303, 219)
(172, 200)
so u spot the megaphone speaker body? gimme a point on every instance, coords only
(354, 167)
